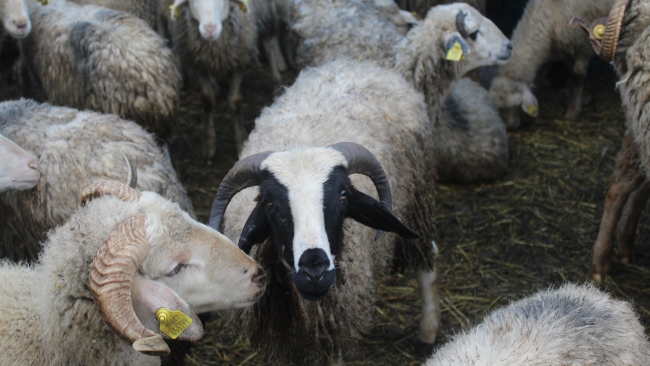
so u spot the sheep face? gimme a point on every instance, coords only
(209, 13)
(304, 196)
(201, 265)
(15, 18)
(485, 43)
(18, 168)
(509, 95)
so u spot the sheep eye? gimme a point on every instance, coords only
(474, 35)
(176, 269)
(344, 195)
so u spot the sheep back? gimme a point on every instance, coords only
(572, 325)
(74, 149)
(146, 10)
(89, 57)
(471, 139)
(374, 107)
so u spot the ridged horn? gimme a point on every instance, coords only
(362, 161)
(604, 42)
(122, 191)
(460, 23)
(111, 278)
(246, 173)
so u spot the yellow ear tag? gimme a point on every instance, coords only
(172, 323)
(599, 31)
(243, 5)
(44, 2)
(532, 110)
(455, 53)
(172, 13)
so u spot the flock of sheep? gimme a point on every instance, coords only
(100, 245)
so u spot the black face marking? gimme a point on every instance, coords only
(274, 200)
(335, 200)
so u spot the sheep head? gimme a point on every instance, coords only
(209, 13)
(162, 259)
(15, 18)
(510, 95)
(304, 196)
(18, 168)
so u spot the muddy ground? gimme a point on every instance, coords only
(529, 230)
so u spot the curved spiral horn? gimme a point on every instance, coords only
(122, 191)
(111, 278)
(246, 173)
(362, 161)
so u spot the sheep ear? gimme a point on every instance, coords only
(256, 229)
(529, 103)
(368, 211)
(149, 296)
(455, 47)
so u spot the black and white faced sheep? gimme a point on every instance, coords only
(381, 110)
(90, 57)
(18, 168)
(571, 325)
(542, 35)
(73, 149)
(215, 39)
(625, 41)
(110, 280)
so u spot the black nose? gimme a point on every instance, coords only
(314, 263)
(509, 46)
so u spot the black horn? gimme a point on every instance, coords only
(362, 161)
(246, 173)
(460, 23)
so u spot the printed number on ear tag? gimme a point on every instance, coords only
(172, 323)
(532, 110)
(455, 53)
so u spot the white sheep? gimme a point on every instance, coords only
(571, 325)
(89, 57)
(471, 141)
(323, 270)
(630, 56)
(542, 35)
(73, 149)
(107, 280)
(18, 168)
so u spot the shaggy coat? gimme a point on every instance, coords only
(374, 107)
(543, 35)
(572, 325)
(74, 149)
(147, 10)
(421, 7)
(89, 57)
(358, 31)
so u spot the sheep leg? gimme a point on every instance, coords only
(235, 100)
(577, 84)
(618, 194)
(430, 320)
(629, 220)
(209, 101)
(276, 60)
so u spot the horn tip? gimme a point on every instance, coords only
(153, 346)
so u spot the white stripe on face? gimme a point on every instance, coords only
(304, 172)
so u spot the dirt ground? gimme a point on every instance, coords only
(532, 229)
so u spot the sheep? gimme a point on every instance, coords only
(74, 149)
(362, 33)
(15, 19)
(373, 108)
(147, 10)
(542, 35)
(114, 272)
(89, 57)
(216, 38)
(571, 325)
(18, 168)
(629, 55)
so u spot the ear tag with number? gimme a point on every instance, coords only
(172, 323)
(455, 53)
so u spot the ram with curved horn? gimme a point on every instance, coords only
(126, 272)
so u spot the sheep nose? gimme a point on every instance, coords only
(314, 263)
(509, 46)
(20, 23)
(33, 165)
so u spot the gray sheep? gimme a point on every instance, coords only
(571, 325)
(107, 280)
(74, 149)
(89, 57)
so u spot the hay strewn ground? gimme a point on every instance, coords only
(532, 229)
